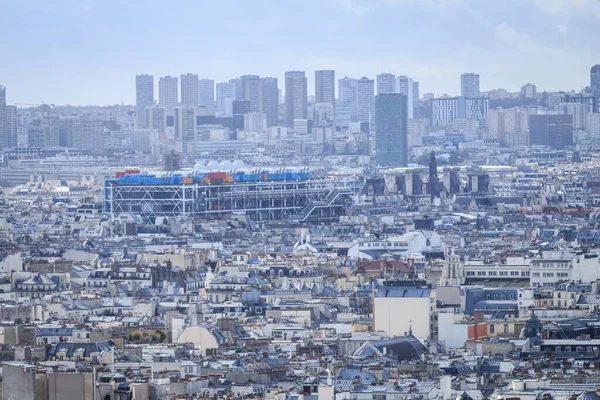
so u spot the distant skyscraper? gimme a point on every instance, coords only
(296, 106)
(365, 99)
(348, 97)
(416, 93)
(386, 83)
(168, 92)
(189, 90)
(185, 127)
(156, 118)
(251, 91)
(405, 86)
(240, 108)
(3, 119)
(554, 130)
(269, 100)
(144, 97)
(12, 125)
(391, 121)
(239, 88)
(469, 85)
(325, 86)
(595, 84)
(3, 122)
(226, 92)
(206, 93)
(416, 99)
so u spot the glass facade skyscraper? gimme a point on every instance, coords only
(391, 122)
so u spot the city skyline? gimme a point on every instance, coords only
(490, 36)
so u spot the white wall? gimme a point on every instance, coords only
(395, 315)
(585, 269)
(453, 335)
(12, 262)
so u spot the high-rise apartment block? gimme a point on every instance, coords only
(365, 99)
(296, 106)
(251, 91)
(386, 83)
(87, 133)
(348, 98)
(189, 90)
(206, 93)
(446, 110)
(168, 92)
(325, 86)
(185, 127)
(226, 95)
(405, 86)
(469, 85)
(510, 127)
(144, 97)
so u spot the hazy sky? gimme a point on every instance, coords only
(89, 51)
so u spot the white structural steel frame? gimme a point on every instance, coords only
(318, 200)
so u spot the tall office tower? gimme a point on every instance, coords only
(595, 84)
(251, 91)
(391, 121)
(365, 99)
(239, 88)
(189, 90)
(325, 86)
(240, 108)
(348, 96)
(156, 118)
(269, 100)
(416, 98)
(168, 92)
(469, 85)
(554, 130)
(3, 119)
(296, 106)
(206, 93)
(144, 97)
(185, 127)
(12, 125)
(386, 83)
(405, 86)
(226, 93)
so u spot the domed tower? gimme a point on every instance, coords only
(533, 326)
